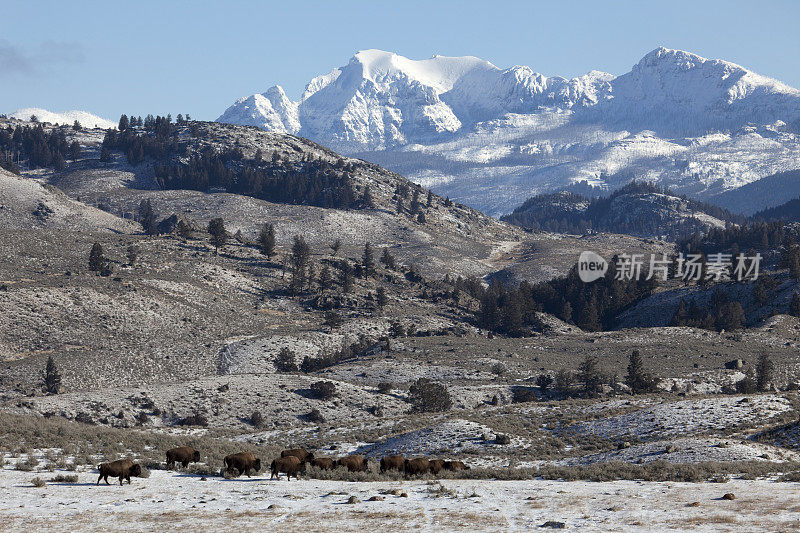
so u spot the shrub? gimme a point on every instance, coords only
(197, 419)
(564, 382)
(544, 381)
(323, 390)
(38, 482)
(499, 369)
(747, 385)
(385, 387)
(285, 361)
(428, 396)
(315, 416)
(65, 478)
(257, 419)
(502, 439)
(523, 394)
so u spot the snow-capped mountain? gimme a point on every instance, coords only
(87, 120)
(493, 137)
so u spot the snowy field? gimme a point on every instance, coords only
(172, 500)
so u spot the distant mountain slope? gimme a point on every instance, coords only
(790, 212)
(491, 137)
(87, 120)
(639, 209)
(26, 204)
(773, 190)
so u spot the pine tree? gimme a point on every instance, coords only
(638, 379)
(299, 262)
(381, 298)
(147, 217)
(590, 376)
(388, 259)
(133, 253)
(59, 163)
(96, 259)
(430, 199)
(219, 235)
(764, 372)
(415, 205)
(105, 155)
(324, 280)
(123, 123)
(368, 261)
(75, 151)
(52, 377)
(366, 198)
(266, 240)
(77, 126)
(346, 278)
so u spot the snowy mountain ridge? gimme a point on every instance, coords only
(86, 119)
(492, 137)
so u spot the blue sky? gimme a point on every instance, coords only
(198, 57)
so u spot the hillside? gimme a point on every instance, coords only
(636, 209)
(491, 137)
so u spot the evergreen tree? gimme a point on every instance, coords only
(105, 155)
(368, 261)
(132, 253)
(388, 259)
(147, 217)
(366, 198)
(77, 126)
(638, 379)
(336, 246)
(590, 376)
(381, 298)
(415, 205)
(52, 377)
(96, 259)
(75, 151)
(266, 240)
(399, 206)
(219, 235)
(346, 278)
(324, 280)
(123, 123)
(59, 163)
(765, 371)
(430, 199)
(299, 261)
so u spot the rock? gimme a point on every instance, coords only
(729, 496)
(736, 364)
(552, 524)
(352, 499)
(274, 506)
(376, 499)
(693, 504)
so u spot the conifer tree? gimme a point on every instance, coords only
(219, 235)
(368, 261)
(765, 371)
(147, 217)
(638, 379)
(123, 123)
(380, 297)
(336, 246)
(266, 240)
(794, 306)
(299, 263)
(96, 259)
(52, 377)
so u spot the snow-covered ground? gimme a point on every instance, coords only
(169, 500)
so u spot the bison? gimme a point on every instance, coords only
(392, 462)
(290, 465)
(304, 455)
(435, 466)
(243, 462)
(183, 455)
(354, 463)
(455, 465)
(123, 469)
(415, 467)
(324, 463)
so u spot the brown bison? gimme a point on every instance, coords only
(304, 455)
(414, 467)
(354, 463)
(324, 463)
(455, 465)
(289, 465)
(392, 462)
(243, 463)
(435, 466)
(183, 455)
(123, 469)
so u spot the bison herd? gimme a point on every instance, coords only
(291, 462)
